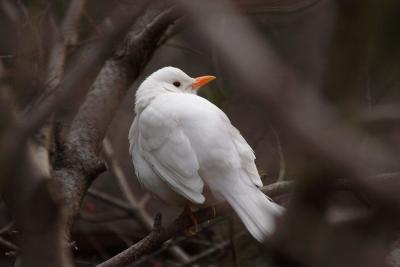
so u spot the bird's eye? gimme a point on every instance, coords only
(177, 84)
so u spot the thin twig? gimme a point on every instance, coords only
(120, 234)
(279, 7)
(221, 247)
(8, 244)
(7, 227)
(177, 240)
(111, 200)
(63, 39)
(144, 200)
(141, 214)
(282, 164)
(102, 218)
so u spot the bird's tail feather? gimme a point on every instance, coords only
(256, 211)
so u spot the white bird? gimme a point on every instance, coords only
(180, 143)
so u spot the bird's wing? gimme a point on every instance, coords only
(245, 152)
(247, 157)
(133, 135)
(168, 150)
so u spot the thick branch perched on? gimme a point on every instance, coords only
(79, 161)
(160, 235)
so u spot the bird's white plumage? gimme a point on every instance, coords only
(168, 150)
(180, 141)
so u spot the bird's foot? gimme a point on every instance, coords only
(189, 212)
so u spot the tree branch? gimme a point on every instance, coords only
(79, 162)
(208, 252)
(7, 244)
(55, 70)
(28, 191)
(156, 238)
(115, 202)
(74, 79)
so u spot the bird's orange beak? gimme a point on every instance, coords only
(202, 80)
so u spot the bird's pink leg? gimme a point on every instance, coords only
(189, 212)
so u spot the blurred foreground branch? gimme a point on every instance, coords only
(62, 38)
(31, 191)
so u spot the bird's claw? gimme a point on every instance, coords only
(188, 210)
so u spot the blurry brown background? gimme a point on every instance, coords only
(311, 84)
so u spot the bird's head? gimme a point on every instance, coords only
(168, 79)
(175, 80)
